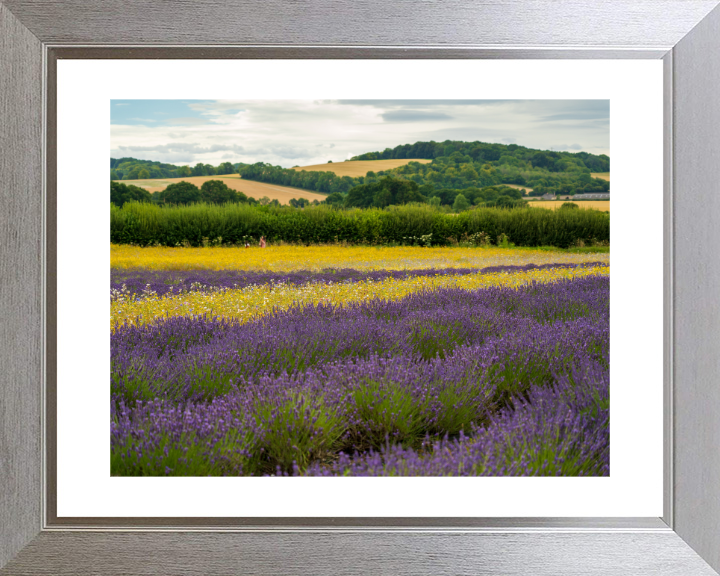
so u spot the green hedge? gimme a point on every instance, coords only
(147, 224)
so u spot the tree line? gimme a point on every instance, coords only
(324, 182)
(454, 165)
(388, 191)
(543, 171)
(134, 169)
(179, 193)
(500, 153)
(185, 193)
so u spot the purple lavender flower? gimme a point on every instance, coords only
(135, 282)
(495, 381)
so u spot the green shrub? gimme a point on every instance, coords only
(147, 224)
(461, 203)
(121, 193)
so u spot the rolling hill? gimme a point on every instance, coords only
(356, 168)
(257, 190)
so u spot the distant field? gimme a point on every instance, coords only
(518, 187)
(257, 190)
(360, 167)
(602, 205)
(602, 175)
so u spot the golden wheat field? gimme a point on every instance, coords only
(360, 167)
(257, 190)
(602, 205)
(601, 175)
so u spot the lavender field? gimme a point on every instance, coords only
(495, 370)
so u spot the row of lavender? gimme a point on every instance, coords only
(495, 381)
(136, 281)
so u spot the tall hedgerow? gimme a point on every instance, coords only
(146, 224)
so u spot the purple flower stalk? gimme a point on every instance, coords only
(496, 381)
(136, 282)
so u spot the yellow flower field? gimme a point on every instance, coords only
(315, 258)
(254, 301)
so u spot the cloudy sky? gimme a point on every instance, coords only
(304, 132)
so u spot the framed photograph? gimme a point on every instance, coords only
(638, 81)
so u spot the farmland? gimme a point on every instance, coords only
(356, 168)
(419, 319)
(318, 258)
(602, 205)
(257, 190)
(367, 361)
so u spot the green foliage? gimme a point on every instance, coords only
(464, 165)
(511, 154)
(183, 456)
(201, 169)
(217, 192)
(386, 410)
(156, 197)
(461, 203)
(480, 239)
(225, 168)
(477, 170)
(134, 169)
(299, 202)
(425, 240)
(507, 202)
(503, 241)
(325, 182)
(181, 193)
(569, 206)
(121, 193)
(334, 199)
(296, 432)
(148, 224)
(386, 192)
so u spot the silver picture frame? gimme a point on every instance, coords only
(684, 34)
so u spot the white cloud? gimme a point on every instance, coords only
(289, 133)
